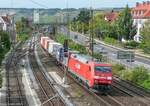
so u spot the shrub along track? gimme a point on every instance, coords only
(15, 93)
(46, 93)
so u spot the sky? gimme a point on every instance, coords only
(63, 3)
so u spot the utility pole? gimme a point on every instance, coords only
(55, 27)
(66, 46)
(91, 32)
(68, 31)
(13, 34)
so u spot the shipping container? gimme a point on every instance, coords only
(47, 41)
(42, 41)
(52, 47)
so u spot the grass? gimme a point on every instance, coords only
(137, 75)
(1, 79)
(61, 38)
(79, 93)
(22, 37)
(110, 41)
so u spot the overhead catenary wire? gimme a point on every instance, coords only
(39, 4)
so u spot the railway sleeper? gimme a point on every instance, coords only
(16, 97)
(14, 87)
(16, 101)
(14, 74)
(16, 104)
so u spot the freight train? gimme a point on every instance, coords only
(93, 74)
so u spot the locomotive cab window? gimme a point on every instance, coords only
(102, 69)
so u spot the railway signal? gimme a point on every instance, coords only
(66, 45)
(66, 48)
(66, 54)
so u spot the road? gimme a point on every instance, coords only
(111, 52)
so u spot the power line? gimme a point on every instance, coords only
(11, 5)
(41, 5)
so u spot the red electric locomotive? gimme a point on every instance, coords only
(93, 74)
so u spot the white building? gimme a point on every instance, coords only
(36, 16)
(140, 13)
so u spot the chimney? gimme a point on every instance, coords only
(144, 2)
(148, 2)
(137, 4)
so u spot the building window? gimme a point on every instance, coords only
(142, 12)
(139, 12)
(135, 13)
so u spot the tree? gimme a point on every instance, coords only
(84, 16)
(145, 33)
(82, 21)
(4, 44)
(103, 28)
(19, 27)
(73, 24)
(23, 26)
(125, 26)
(23, 29)
(5, 40)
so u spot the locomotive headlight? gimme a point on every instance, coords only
(96, 77)
(96, 81)
(109, 78)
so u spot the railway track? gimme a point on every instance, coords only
(15, 90)
(133, 92)
(138, 90)
(47, 95)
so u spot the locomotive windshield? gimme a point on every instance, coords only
(102, 69)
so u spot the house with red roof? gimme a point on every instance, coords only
(140, 13)
(5, 22)
(111, 17)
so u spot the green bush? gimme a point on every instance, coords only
(78, 47)
(61, 38)
(22, 37)
(110, 40)
(127, 75)
(0, 79)
(146, 83)
(98, 56)
(131, 45)
(117, 69)
(146, 49)
(139, 75)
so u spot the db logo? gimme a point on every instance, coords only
(77, 66)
